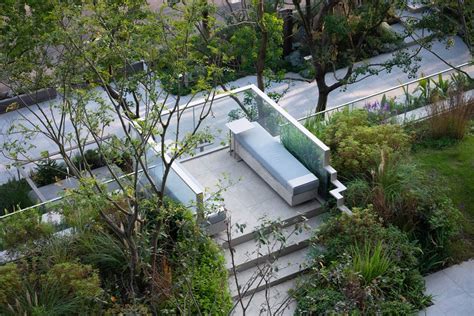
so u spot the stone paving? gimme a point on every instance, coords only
(249, 200)
(452, 290)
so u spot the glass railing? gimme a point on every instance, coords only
(406, 102)
(180, 184)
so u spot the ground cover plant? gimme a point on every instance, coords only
(452, 167)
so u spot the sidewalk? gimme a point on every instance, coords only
(452, 290)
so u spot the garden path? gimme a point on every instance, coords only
(452, 290)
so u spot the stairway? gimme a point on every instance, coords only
(266, 261)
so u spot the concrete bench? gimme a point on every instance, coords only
(272, 162)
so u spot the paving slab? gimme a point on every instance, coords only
(452, 290)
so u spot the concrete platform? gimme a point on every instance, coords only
(248, 199)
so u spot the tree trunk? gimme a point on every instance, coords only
(262, 51)
(323, 89)
(461, 10)
(322, 101)
(287, 15)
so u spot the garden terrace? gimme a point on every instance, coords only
(251, 204)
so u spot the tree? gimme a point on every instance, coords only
(251, 38)
(86, 53)
(337, 34)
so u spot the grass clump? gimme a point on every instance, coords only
(370, 261)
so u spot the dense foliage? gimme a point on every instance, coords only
(403, 196)
(375, 160)
(89, 269)
(23, 229)
(451, 168)
(364, 267)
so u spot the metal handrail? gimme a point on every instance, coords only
(470, 63)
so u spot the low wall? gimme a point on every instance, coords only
(28, 99)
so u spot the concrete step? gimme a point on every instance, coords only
(306, 211)
(269, 274)
(279, 242)
(275, 301)
(416, 7)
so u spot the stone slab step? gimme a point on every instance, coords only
(310, 210)
(268, 274)
(275, 301)
(279, 242)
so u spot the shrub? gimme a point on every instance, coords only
(358, 193)
(91, 157)
(341, 233)
(319, 301)
(129, 309)
(10, 282)
(49, 171)
(200, 265)
(364, 268)
(64, 289)
(77, 278)
(14, 195)
(23, 228)
(402, 195)
(356, 145)
(405, 197)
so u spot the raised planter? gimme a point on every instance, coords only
(55, 190)
(28, 99)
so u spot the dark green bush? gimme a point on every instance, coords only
(358, 193)
(14, 195)
(91, 157)
(404, 196)
(49, 171)
(199, 267)
(337, 286)
(320, 301)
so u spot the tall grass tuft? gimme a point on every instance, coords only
(371, 261)
(450, 118)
